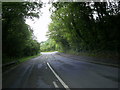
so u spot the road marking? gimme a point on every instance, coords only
(60, 80)
(55, 84)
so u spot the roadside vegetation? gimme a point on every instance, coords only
(11, 63)
(80, 28)
(85, 28)
(18, 40)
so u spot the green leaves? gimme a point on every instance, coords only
(85, 26)
(17, 35)
(48, 45)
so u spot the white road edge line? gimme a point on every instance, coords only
(55, 84)
(60, 80)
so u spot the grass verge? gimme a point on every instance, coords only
(21, 60)
(27, 58)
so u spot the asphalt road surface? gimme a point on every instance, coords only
(51, 70)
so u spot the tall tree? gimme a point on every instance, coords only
(16, 33)
(86, 26)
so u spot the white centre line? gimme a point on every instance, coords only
(55, 84)
(60, 80)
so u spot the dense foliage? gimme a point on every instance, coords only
(86, 26)
(17, 37)
(49, 45)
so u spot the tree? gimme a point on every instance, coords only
(16, 33)
(86, 26)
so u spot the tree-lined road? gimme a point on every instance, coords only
(51, 70)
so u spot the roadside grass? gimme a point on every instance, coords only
(27, 58)
(20, 60)
(8, 60)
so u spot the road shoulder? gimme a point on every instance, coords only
(90, 59)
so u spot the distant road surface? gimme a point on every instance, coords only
(51, 70)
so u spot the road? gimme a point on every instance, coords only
(51, 70)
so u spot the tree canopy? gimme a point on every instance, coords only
(86, 26)
(17, 36)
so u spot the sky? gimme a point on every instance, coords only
(40, 26)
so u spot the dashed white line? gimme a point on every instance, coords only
(60, 80)
(55, 84)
